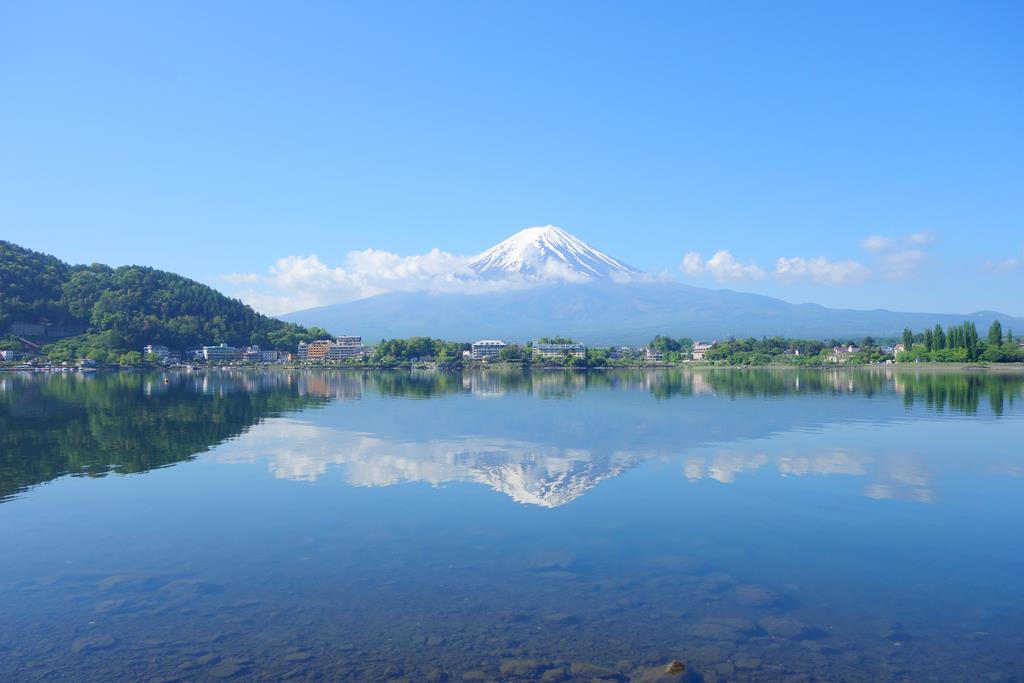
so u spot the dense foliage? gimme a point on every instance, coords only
(31, 287)
(128, 307)
(764, 351)
(393, 351)
(961, 344)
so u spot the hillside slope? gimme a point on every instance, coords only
(128, 307)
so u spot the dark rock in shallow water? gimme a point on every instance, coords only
(225, 670)
(716, 582)
(519, 667)
(186, 589)
(592, 670)
(96, 642)
(553, 675)
(747, 663)
(560, 618)
(895, 631)
(782, 627)
(730, 629)
(756, 596)
(675, 667)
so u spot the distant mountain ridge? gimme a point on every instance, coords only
(577, 290)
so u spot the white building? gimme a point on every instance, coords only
(157, 350)
(843, 354)
(487, 348)
(700, 349)
(541, 350)
(345, 347)
(653, 354)
(220, 354)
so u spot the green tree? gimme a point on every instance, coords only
(664, 344)
(908, 339)
(130, 358)
(995, 334)
(971, 340)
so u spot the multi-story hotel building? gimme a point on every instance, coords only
(576, 350)
(487, 348)
(220, 353)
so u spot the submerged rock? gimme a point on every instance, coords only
(560, 618)
(591, 670)
(755, 596)
(96, 642)
(747, 663)
(519, 667)
(225, 669)
(675, 667)
(716, 582)
(782, 627)
(730, 629)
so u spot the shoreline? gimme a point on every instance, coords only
(1008, 368)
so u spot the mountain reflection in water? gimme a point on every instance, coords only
(536, 453)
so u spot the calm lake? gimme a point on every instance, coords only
(327, 525)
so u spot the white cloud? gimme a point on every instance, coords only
(898, 258)
(693, 264)
(725, 268)
(297, 282)
(239, 278)
(722, 266)
(1005, 266)
(821, 270)
(899, 265)
(876, 243)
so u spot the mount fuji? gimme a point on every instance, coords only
(544, 281)
(549, 252)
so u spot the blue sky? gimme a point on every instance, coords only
(214, 139)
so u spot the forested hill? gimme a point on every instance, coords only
(123, 309)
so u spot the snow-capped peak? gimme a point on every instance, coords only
(549, 252)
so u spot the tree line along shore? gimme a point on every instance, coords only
(955, 345)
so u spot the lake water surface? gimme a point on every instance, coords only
(759, 525)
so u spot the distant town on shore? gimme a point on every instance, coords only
(56, 316)
(956, 344)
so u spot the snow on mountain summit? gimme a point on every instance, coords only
(549, 252)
